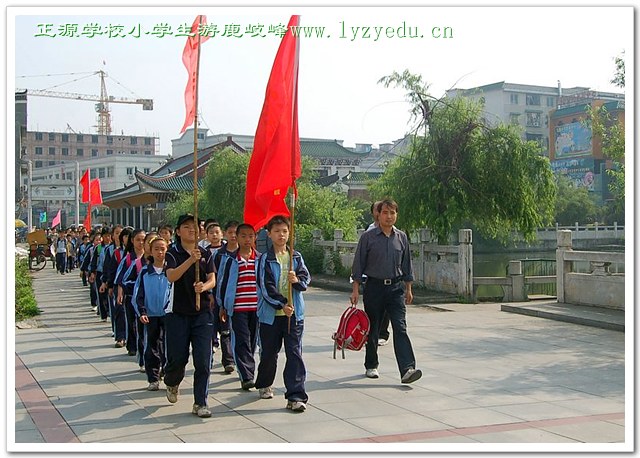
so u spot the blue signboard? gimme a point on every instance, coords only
(573, 139)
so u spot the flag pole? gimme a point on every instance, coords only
(195, 162)
(294, 191)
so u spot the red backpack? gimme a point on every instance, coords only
(352, 332)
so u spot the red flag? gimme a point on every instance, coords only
(84, 182)
(190, 60)
(275, 160)
(56, 220)
(87, 221)
(96, 192)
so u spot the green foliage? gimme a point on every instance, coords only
(313, 255)
(462, 170)
(26, 306)
(574, 204)
(224, 185)
(618, 78)
(181, 204)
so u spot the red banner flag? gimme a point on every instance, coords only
(87, 221)
(56, 220)
(275, 160)
(84, 182)
(190, 60)
(96, 192)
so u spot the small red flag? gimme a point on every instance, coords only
(84, 182)
(275, 160)
(190, 60)
(87, 221)
(96, 192)
(56, 220)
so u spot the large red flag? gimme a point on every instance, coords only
(56, 220)
(190, 60)
(275, 160)
(87, 221)
(84, 182)
(96, 192)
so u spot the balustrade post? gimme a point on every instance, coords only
(518, 288)
(465, 263)
(562, 267)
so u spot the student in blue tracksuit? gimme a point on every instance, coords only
(61, 253)
(119, 314)
(109, 268)
(97, 266)
(151, 293)
(82, 251)
(281, 320)
(185, 322)
(126, 275)
(237, 295)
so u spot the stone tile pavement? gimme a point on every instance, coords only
(493, 381)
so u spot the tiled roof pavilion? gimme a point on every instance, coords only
(177, 175)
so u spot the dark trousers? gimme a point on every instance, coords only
(223, 342)
(180, 331)
(83, 275)
(379, 298)
(132, 325)
(271, 338)
(154, 357)
(93, 294)
(384, 327)
(103, 298)
(118, 318)
(244, 337)
(61, 262)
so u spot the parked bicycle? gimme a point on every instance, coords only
(38, 255)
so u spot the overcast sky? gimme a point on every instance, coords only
(339, 96)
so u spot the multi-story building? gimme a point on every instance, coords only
(524, 105)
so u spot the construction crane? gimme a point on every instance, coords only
(102, 107)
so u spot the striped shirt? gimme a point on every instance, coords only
(246, 293)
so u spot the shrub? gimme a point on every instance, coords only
(26, 306)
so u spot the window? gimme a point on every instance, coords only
(79, 152)
(514, 118)
(101, 172)
(93, 173)
(111, 171)
(514, 99)
(551, 101)
(147, 153)
(538, 138)
(200, 136)
(38, 164)
(52, 162)
(52, 151)
(65, 138)
(533, 99)
(80, 138)
(134, 140)
(94, 139)
(147, 170)
(69, 176)
(129, 170)
(94, 153)
(109, 152)
(147, 141)
(134, 151)
(109, 140)
(534, 119)
(52, 137)
(57, 176)
(39, 136)
(65, 151)
(38, 150)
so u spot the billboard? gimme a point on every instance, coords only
(579, 170)
(573, 139)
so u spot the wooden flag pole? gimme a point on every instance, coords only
(195, 166)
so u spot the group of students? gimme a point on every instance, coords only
(161, 306)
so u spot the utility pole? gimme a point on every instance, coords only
(29, 209)
(77, 185)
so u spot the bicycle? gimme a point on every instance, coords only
(37, 257)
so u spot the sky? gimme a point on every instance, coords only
(339, 94)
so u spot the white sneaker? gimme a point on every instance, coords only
(172, 394)
(372, 373)
(382, 342)
(266, 393)
(201, 411)
(153, 386)
(411, 375)
(296, 406)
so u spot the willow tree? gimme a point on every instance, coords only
(460, 170)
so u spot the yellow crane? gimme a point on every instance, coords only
(102, 107)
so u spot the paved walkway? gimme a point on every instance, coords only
(492, 381)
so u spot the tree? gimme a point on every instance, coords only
(574, 204)
(610, 130)
(459, 169)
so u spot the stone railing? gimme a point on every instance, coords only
(514, 284)
(445, 268)
(599, 288)
(590, 232)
